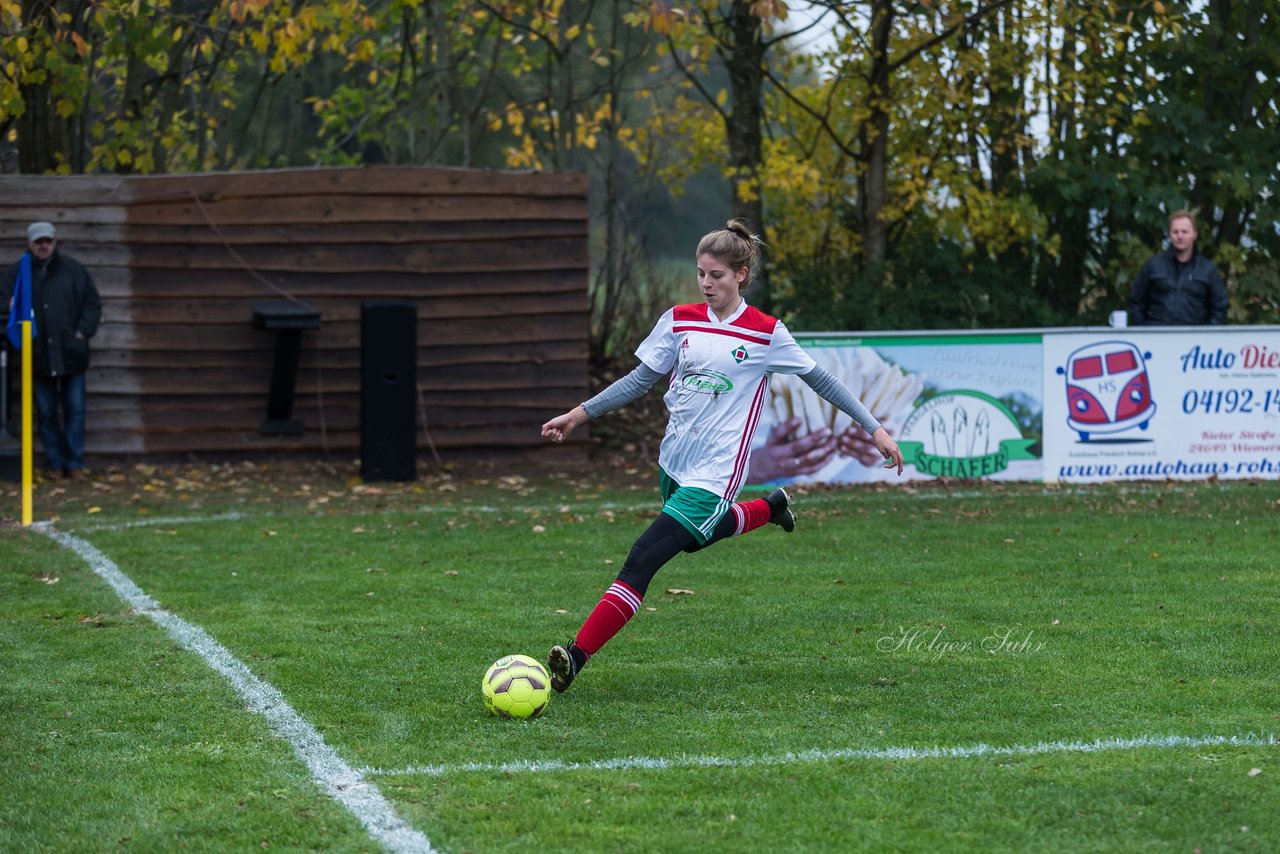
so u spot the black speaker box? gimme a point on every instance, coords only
(388, 390)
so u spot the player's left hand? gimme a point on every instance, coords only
(888, 449)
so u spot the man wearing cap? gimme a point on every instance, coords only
(66, 310)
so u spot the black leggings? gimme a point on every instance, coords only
(661, 541)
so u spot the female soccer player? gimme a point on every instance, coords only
(719, 354)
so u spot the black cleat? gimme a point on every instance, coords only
(560, 664)
(782, 516)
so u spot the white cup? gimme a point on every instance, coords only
(1119, 319)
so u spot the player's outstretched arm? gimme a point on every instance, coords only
(838, 394)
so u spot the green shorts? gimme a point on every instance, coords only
(699, 510)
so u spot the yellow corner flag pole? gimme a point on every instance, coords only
(27, 421)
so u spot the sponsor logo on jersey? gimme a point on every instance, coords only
(706, 382)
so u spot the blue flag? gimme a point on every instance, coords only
(22, 303)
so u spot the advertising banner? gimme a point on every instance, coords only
(959, 405)
(1135, 404)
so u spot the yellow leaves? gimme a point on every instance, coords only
(572, 33)
(241, 10)
(23, 45)
(662, 19)
(365, 50)
(82, 47)
(767, 9)
(523, 157)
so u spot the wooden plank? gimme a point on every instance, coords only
(511, 255)
(364, 233)
(213, 311)
(199, 381)
(515, 401)
(336, 417)
(75, 236)
(429, 357)
(19, 216)
(511, 331)
(57, 190)
(353, 209)
(248, 440)
(308, 208)
(162, 284)
(360, 181)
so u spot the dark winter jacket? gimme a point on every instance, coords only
(66, 301)
(1167, 293)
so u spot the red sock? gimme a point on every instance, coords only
(618, 604)
(751, 515)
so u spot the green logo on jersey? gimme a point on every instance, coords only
(740, 355)
(706, 382)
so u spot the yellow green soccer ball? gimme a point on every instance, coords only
(516, 686)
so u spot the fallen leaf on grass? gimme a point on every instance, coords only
(679, 591)
(451, 572)
(1254, 772)
(46, 578)
(538, 529)
(94, 510)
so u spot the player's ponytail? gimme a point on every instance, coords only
(735, 246)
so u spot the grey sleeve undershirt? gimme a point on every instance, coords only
(631, 387)
(832, 390)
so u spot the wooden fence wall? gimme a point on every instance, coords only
(497, 264)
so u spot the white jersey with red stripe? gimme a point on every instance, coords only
(719, 383)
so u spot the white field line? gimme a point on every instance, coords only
(339, 780)
(162, 521)
(576, 506)
(658, 763)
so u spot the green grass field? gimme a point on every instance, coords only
(791, 701)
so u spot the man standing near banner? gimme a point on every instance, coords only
(1178, 287)
(57, 294)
